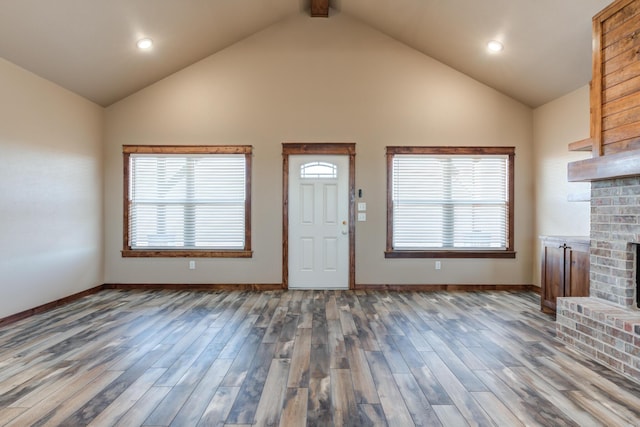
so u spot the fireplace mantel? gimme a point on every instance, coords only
(618, 165)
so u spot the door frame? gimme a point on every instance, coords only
(320, 148)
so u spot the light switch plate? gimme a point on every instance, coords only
(362, 216)
(362, 206)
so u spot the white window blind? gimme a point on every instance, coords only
(450, 202)
(180, 201)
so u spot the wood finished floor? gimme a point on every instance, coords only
(293, 358)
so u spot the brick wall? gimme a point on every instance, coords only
(615, 223)
(606, 326)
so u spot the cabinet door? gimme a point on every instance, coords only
(552, 276)
(577, 273)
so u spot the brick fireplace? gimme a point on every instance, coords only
(606, 325)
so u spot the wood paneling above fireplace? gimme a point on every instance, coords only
(615, 97)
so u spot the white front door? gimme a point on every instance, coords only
(318, 222)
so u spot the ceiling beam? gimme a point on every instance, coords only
(320, 8)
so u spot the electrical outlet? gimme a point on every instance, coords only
(362, 206)
(362, 216)
(192, 265)
(438, 265)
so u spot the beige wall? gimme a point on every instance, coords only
(50, 193)
(557, 124)
(319, 80)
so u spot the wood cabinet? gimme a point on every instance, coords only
(565, 269)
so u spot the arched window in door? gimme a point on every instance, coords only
(318, 170)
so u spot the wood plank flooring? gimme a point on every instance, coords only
(317, 358)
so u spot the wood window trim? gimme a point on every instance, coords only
(127, 150)
(392, 253)
(330, 148)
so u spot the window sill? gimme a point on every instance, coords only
(172, 253)
(450, 254)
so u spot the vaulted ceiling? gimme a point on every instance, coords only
(89, 47)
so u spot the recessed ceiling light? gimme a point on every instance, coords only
(495, 46)
(144, 44)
